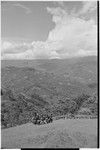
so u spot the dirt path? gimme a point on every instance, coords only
(61, 133)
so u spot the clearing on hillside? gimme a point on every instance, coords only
(68, 133)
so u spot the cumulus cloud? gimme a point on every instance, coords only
(75, 35)
(12, 47)
(34, 50)
(88, 7)
(23, 55)
(72, 36)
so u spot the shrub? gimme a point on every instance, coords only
(79, 101)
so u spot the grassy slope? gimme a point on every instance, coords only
(60, 133)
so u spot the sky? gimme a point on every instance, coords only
(48, 30)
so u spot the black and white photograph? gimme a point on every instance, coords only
(49, 59)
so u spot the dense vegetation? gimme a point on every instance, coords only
(63, 87)
(20, 109)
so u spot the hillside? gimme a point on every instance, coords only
(26, 90)
(81, 133)
(83, 69)
(27, 79)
